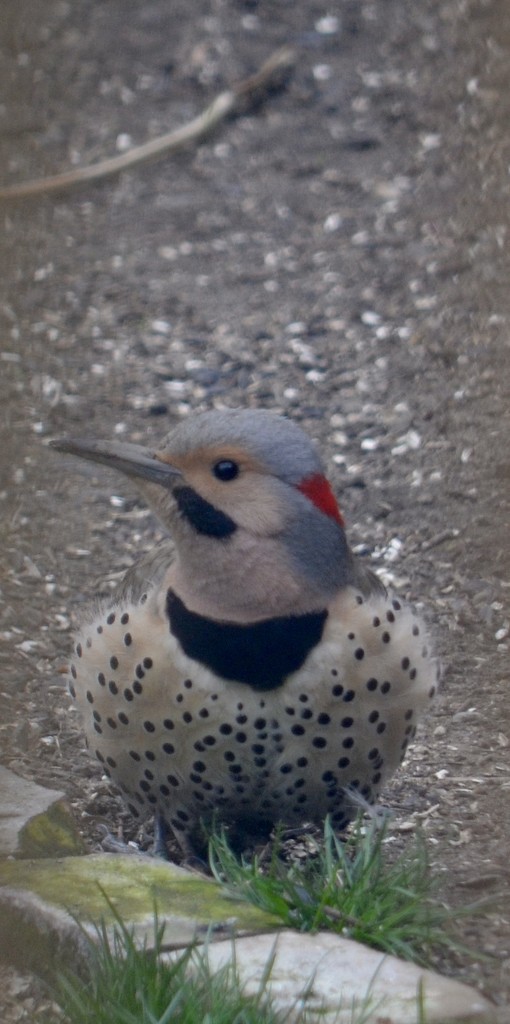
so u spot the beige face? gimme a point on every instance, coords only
(254, 499)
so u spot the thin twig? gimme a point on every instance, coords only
(247, 93)
(440, 538)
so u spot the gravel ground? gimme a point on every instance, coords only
(339, 255)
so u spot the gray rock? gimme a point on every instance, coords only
(47, 906)
(34, 821)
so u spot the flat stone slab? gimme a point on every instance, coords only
(340, 981)
(34, 821)
(42, 901)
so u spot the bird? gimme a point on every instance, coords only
(249, 671)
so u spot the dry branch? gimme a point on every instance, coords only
(248, 93)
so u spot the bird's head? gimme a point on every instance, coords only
(237, 484)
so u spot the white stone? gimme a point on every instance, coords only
(338, 980)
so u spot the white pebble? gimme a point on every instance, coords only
(123, 142)
(327, 25)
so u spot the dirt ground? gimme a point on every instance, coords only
(339, 255)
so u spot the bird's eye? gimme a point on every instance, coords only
(226, 470)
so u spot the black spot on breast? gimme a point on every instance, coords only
(319, 742)
(261, 655)
(114, 662)
(204, 517)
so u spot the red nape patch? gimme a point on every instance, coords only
(318, 490)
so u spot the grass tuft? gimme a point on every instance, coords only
(351, 887)
(125, 982)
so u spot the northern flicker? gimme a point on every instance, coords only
(252, 671)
